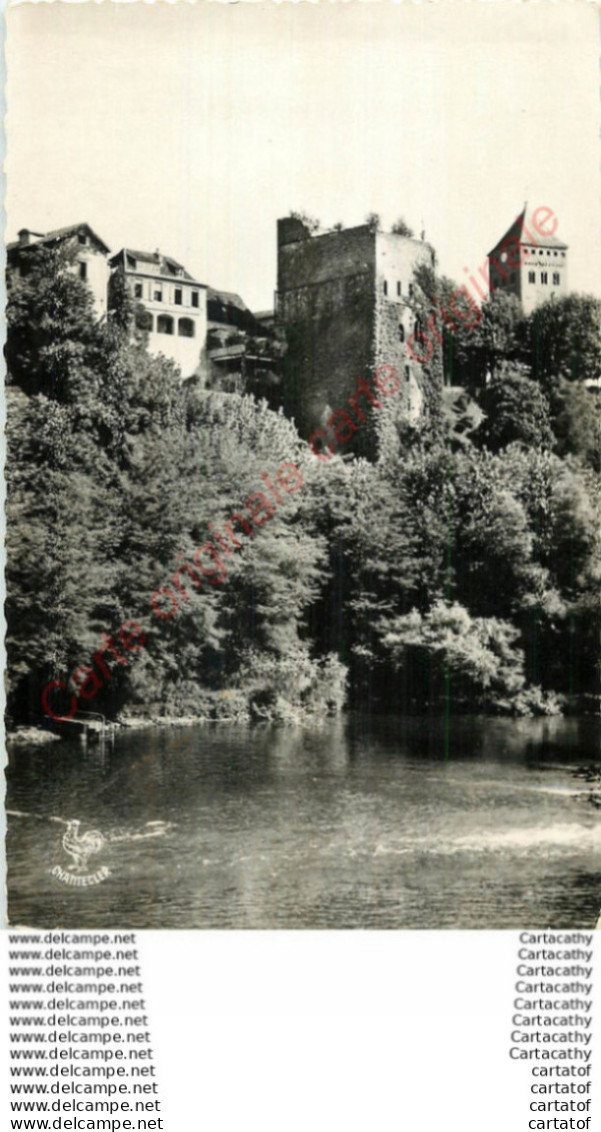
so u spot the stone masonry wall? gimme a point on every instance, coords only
(340, 307)
(325, 304)
(396, 260)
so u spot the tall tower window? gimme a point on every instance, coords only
(178, 297)
(195, 298)
(399, 289)
(137, 290)
(385, 287)
(532, 276)
(83, 271)
(401, 332)
(543, 277)
(556, 279)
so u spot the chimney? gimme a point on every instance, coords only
(24, 237)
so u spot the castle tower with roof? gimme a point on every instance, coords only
(530, 261)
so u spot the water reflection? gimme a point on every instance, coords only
(386, 823)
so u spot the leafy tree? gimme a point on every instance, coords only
(577, 422)
(51, 329)
(516, 410)
(386, 537)
(310, 222)
(258, 616)
(561, 623)
(471, 573)
(120, 302)
(490, 342)
(491, 543)
(445, 654)
(401, 228)
(564, 340)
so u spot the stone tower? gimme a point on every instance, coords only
(530, 261)
(344, 302)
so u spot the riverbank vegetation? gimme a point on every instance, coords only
(458, 573)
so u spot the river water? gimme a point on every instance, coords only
(364, 823)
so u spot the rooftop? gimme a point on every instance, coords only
(227, 298)
(525, 230)
(28, 239)
(167, 266)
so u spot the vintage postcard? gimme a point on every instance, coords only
(303, 472)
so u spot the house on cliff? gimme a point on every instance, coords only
(86, 257)
(209, 334)
(175, 304)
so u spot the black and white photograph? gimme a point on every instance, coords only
(303, 466)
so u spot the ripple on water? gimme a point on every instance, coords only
(365, 824)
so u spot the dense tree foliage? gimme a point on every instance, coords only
(443, 577)
(564, 339)
(516, 409)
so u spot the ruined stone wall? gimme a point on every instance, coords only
(395, 301)
(345, 304)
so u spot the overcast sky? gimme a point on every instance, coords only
(191, 128)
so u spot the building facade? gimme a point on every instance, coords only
(242, 356)
(344, 303)
(175, 305)
(530, 261)
(86, 257)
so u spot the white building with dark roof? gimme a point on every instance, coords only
(88, 257)
(175, 302)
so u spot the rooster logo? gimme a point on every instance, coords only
(81, 846)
